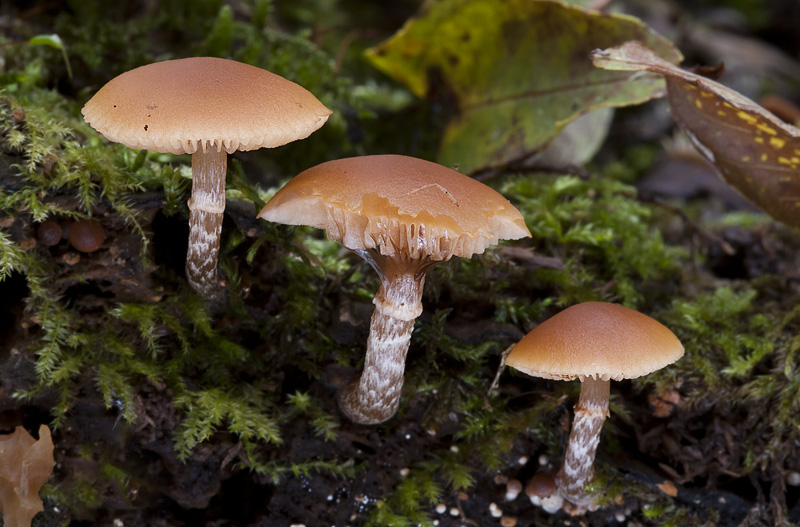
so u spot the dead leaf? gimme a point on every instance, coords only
(25, 465)
(754, 151)
(668, 488)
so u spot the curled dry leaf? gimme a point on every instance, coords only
(25, 465)
(668, 488)
(754, 151)
(664, 402)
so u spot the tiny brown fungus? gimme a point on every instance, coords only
(207, 107)
(541, 485)
(402, 215)
(594, 342)
(86, 235)
(49, 233)
(543, 492)
(513, 488)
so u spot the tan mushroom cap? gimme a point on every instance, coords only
(397, 203)
(598, 340)
(180, 106)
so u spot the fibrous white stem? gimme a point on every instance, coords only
(206, 207)
(375, 396)
(577, 470)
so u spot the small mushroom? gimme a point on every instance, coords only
(49, 233)
(513, 488)
(543, 492)
(207, 107)
(541, 485)
(594, 342)
(86, 235)
(403, 216)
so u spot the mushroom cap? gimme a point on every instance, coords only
(396, 203)
(180, 106)
(542, 485)
(87, 235)
(598, 340)
(49, 233)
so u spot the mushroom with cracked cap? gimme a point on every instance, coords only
(207, 107)
(402, 215)
(594, 342)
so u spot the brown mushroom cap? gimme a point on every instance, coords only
(541, 485)
(180, 106)
(49, 233)
(598, 340)
(393, 202)
(87, 235)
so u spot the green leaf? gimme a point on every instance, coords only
(54, 41)
(516, 71)
(578, 142)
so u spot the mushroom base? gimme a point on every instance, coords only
(207, 207)
(577, 470)
(375, 396)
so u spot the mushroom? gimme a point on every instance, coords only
(87, 235)
(594, 342)
(49, 233)
(542, 491)
(402, 215)
(207, 107)
(513, 488)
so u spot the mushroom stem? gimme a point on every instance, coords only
(577, 470)
(375, 396)
(206, 207)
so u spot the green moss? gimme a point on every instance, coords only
(666, 513)
(86, 494)
(244, 414)
(717, 323)
(302, 404)
(599, 231)
(633, 163)
(277, 471)
(741, 356)
(115, 474)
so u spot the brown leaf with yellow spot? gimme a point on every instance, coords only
(754, 151)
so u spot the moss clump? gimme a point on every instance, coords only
(741, 356)
(600, 232)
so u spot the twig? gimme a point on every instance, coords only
(702, 231)
(344, 45)
(500, 369)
